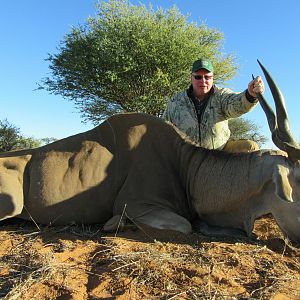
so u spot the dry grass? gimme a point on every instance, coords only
(81, 263)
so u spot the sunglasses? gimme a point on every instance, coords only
(205, 77)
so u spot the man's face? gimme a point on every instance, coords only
(202, 82)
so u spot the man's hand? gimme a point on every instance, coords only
(256, 86)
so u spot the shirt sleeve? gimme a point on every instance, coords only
(233, 104)
(167, 113)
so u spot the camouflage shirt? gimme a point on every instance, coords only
(210, 128)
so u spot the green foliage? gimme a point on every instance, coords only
(131, 58)
(11, 139)
(8, 136)
(245, 129)
(47, 140)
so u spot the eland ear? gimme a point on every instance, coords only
(283, 188)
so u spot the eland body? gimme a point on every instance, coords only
(138, 166)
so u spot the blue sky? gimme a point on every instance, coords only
(264, 30)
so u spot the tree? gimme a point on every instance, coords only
(242, 128)
(11, 139)
(47, 140)
(130, 58)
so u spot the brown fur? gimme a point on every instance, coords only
(138, 166)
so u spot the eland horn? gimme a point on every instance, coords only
(279, 123)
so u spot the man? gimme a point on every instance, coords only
(203, 110)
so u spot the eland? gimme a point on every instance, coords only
(137, 167)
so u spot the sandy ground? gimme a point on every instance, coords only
(84, 263)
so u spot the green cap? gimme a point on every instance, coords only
(202, 64)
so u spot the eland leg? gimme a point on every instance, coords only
(11, 195)
(156, 218)
(217, 231)
(164, 219)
